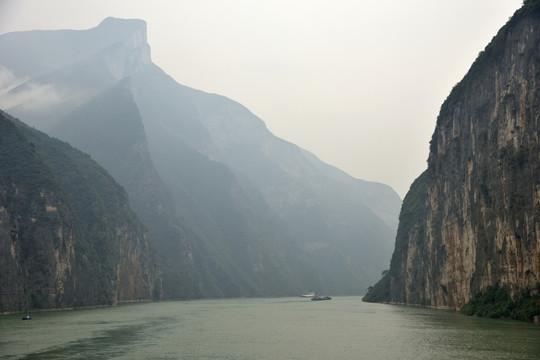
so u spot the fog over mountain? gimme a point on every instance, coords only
(231, 209)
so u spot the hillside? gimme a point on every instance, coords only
(68, 238)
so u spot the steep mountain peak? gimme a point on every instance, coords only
(132, 32)
(42, 52)
(67, 67)
(112, 22)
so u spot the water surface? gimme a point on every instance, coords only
(278, 328)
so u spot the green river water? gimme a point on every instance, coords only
(273, 328)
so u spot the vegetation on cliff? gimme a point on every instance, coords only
(380, 292)
(497, 303)
(36, 226)
(410, 221)
(67, 235)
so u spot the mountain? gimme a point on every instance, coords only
(48, 73)
(471, 221)
(231, 209)
(110, 128)
(68, 237)
(325, 217)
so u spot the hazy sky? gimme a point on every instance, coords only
(358, 83)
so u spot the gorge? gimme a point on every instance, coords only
(221, 206)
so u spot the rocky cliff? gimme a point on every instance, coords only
(68, 237)
(472, 220)
(37, 229)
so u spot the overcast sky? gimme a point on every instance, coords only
(358, 83)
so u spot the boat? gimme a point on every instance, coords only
(27, 317)
(310, 295)
(320, 298)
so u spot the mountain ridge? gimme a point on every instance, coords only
(219, 165)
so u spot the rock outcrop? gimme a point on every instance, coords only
(472, 220)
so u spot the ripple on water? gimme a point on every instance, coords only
(281, 328)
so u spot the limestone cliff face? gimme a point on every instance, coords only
(135, 272)
(30, 240)
(112, 252)
(68, 237)
(37, 226)
(472, 220)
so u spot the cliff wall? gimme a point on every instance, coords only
(68, 237)
(37, 229)
(472, 220)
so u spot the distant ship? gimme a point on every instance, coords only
(315, 297)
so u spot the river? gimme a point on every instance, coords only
(270, 328)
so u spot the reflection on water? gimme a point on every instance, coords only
(280, 328)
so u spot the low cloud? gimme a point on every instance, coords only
(7, 80)
(29, 95)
